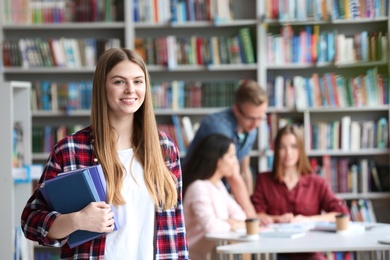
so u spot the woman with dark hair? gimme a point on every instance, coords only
(292, 192)
(208, 207)
(141, 166)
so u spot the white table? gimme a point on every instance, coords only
(313, 241)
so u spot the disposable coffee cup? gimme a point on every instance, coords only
(252, 227)
(342, 221)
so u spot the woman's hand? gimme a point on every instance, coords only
(96, 217)
(285, 218)
(301, 218)
(235, 224)
(265, 219)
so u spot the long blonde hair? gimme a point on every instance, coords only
(145, 138)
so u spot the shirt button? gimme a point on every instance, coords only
(95, 159)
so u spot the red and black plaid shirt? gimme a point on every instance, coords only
(75, 151)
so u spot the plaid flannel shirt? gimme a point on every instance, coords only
(75, 151)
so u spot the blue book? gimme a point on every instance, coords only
(72, 191)
(331, 46)
(136, 11)
(179, 133)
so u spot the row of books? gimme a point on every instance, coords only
(350, 176)
(61, 11)
(353, 9)
(343, 135)
(177, 11)
(329, 90)
(55, 52)
(347, 135)
(346, 175)
(192, 10)
(172, 50)
(51, 96)
(310, 45)
(362, 210)
(181, 130)
(44, 137)
(182, 94)
(151, 11)
(322, 10)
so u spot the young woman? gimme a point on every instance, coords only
(291, 192)
(141, 166)
(208, 207)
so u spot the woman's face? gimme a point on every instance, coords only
(228, 165)
(125, 87)
(288, 151)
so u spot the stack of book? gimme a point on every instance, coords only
(72, 191)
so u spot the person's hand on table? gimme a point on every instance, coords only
(265, 220)
(300, 218)
(285, 218)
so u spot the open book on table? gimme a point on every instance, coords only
(287, 230)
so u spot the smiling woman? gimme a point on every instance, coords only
(143, 183)
(125, 89)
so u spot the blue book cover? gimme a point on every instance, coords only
(96, 172)
(179, 134)
(331, 46)
(74, 190)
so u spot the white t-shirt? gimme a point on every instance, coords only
(134, 238)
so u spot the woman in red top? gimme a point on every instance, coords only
(291, 192)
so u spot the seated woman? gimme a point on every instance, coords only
(208, 207)
(292, 192)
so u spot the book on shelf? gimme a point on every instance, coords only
(188, 129)
(362, 211)
(72, 191)
(179, 133)
(18, 145)
(21, 244)
(55, 52)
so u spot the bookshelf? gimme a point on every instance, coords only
(14, 107)
(136, 21)
(329, 60)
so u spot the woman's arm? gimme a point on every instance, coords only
(96, 217)
(330, 216)
(266, 219)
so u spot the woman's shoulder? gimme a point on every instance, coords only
(315, 178)
(264, 175)
(197, 187)
(165, 139)
(81, 136)
(199, 184)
